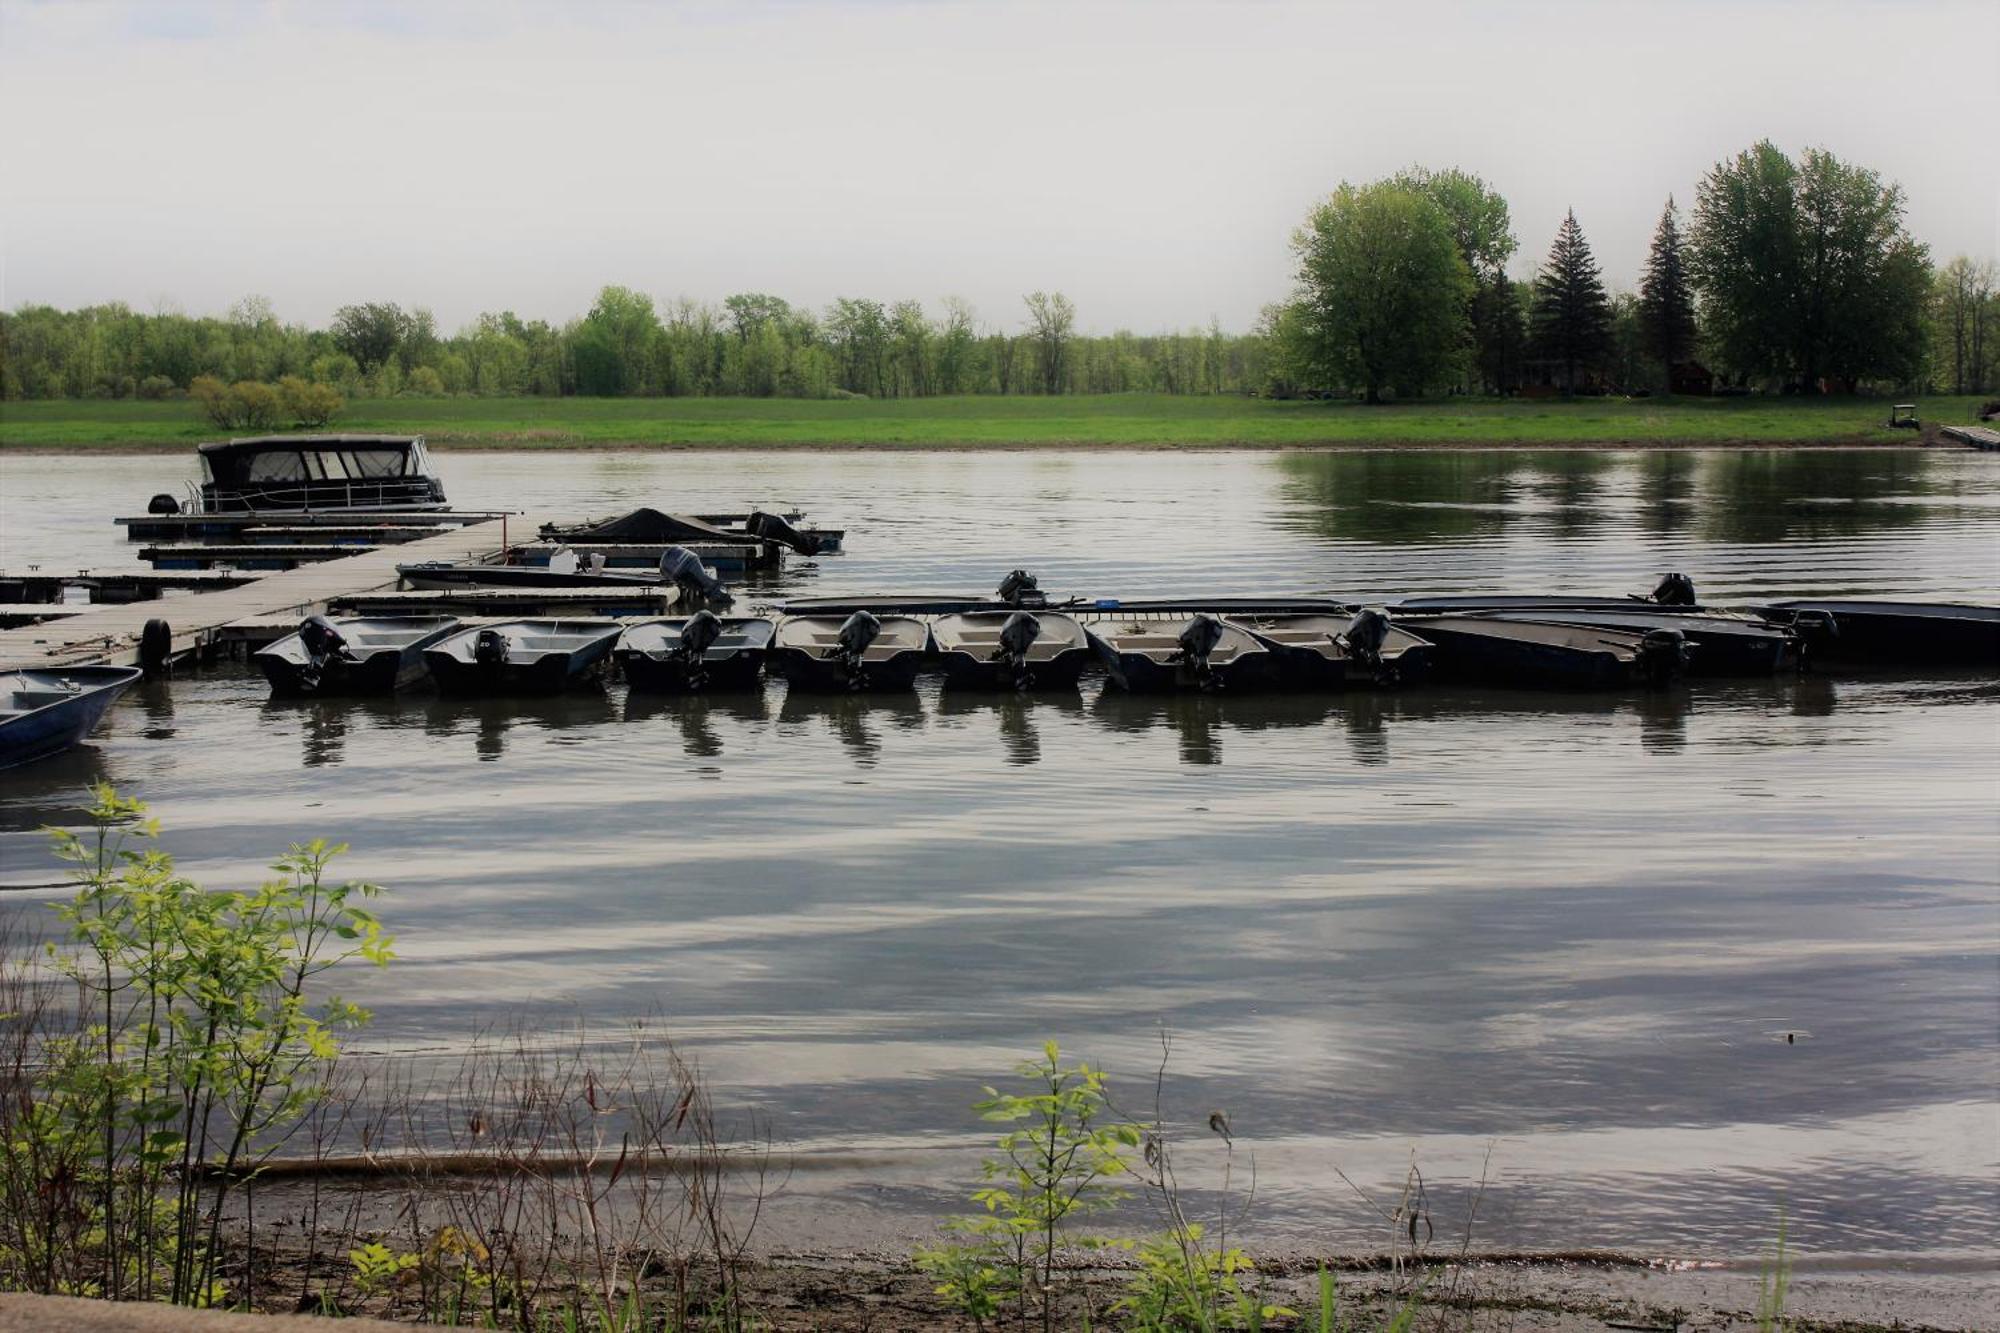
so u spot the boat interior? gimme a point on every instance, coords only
(820, 636)
(978, 633)
(1160, 639)
(536, 636)
(664, 636)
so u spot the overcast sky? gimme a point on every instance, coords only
(1150, 160)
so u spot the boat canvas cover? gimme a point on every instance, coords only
(645, 527)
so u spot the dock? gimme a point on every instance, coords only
(109, 633)
(38, 585)
(188, 527)
(1976, 437)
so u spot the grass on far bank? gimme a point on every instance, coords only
(1110, 420)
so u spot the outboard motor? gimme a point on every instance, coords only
(1663, 655)
(1197, 641)
(489, 648)
(1812, 631)
(773, 528)
(1364, 636)
(163, 504)
(1020, 588)
(683, 568)
(857, 633)
(323, 643)
(697, 636)
(1017, 636)
(1674, 590)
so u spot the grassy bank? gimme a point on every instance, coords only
(1115, 421)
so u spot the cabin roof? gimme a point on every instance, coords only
(256, 442)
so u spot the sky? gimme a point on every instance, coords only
(1150, 160)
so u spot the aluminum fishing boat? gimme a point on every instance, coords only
(351, 655)
(1012, 650)
(1337, 651)
(1536, 654)
(692, 653)
(46, 712)
(1895, 633)
(1199, 652)
(859, 651)
(522, 656)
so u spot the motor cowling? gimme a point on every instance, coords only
(1365, 635)
(1020, 588)
(1664, 655)
(858, 633)
(489, 648)
(773, 528)
(1017, 635)
(697, 583)
(699, 634)
(321, 639)
(1674, 590)
(1196, 641)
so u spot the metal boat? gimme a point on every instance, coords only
(699, 652)
(1539, 654)
(1326, 651)
(1673, 594)
(46, 712)
(859, 651)
(522, 656)
(1199, 652)
(1012, 650)
(654, 526)
(1723, 643)
(351, 655)
(436, 574)
(1901, 633)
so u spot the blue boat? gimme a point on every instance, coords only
(45, 712)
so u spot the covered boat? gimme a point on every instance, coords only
(1012, 650)
(436, 574)
(1538, 654)
(351, 655)
(46, 712)
(1197, 652)
(309, 472)
(859, 651)
(522, 656)
(1900, 633)
(1333, 651)
(699, 652)
(653, 526)
(1723, 643)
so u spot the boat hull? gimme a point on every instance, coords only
(830, 675)
(973, 671)
(1468, 654)
(1895, 634)
(62, 721)
(383, 669)
(664, 674)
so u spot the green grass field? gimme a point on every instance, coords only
(1127, 421)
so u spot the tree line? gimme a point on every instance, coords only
(1791, 274)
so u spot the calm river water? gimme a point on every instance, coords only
(1571, 932)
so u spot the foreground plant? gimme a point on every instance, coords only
(199, 1045)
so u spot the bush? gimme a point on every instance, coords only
(309, 404)
(424, 383)
(258, 404)
(156, 387)
(212, 396)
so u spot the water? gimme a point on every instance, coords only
(1565, 937)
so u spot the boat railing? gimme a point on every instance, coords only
(305, 498)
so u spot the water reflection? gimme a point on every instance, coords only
(859, 721)
(1014, 716)
(496, 724)
(698, 715)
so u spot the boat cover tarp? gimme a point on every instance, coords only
(645, 527)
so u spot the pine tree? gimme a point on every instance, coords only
(1666, 302)
(1571, 316)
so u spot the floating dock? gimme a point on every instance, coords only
(1976, 437)
(109, 633)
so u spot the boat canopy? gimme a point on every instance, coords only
(268, 459)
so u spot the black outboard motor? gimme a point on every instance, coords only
(489, 648)
(163, 504)
(683, 568)
(774, 528)
(1364, 636)
(1663, 655)
(1017, 636)
(323, 644)
(1197, 641)
(1674, 590)
(697, 635)
(1020, 588)
(857, 633)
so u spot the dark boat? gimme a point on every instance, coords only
(1673, 594)
(1012, 650)
(859, 651)
(1899, 633)
(649, 527)
(435, 574)
(1334, 651)
(1019, 591)
(46, 712)
(699, 652)
(1538, 654)
(521, 656)
(1723, 644)
(1196, 652)
(354, 655)
(313, 472)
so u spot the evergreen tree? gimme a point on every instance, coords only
(1571, 316)
(1666, 302)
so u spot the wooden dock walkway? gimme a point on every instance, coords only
(110, 634)
(1977, 437)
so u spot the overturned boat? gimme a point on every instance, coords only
(522, 656)
(46, 712)
(1866, 632)
(1012, 650)
(1540, 654)
(1200, 652)
(353, 655)
(1320, 651)
(859, 651)
(693, 653)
